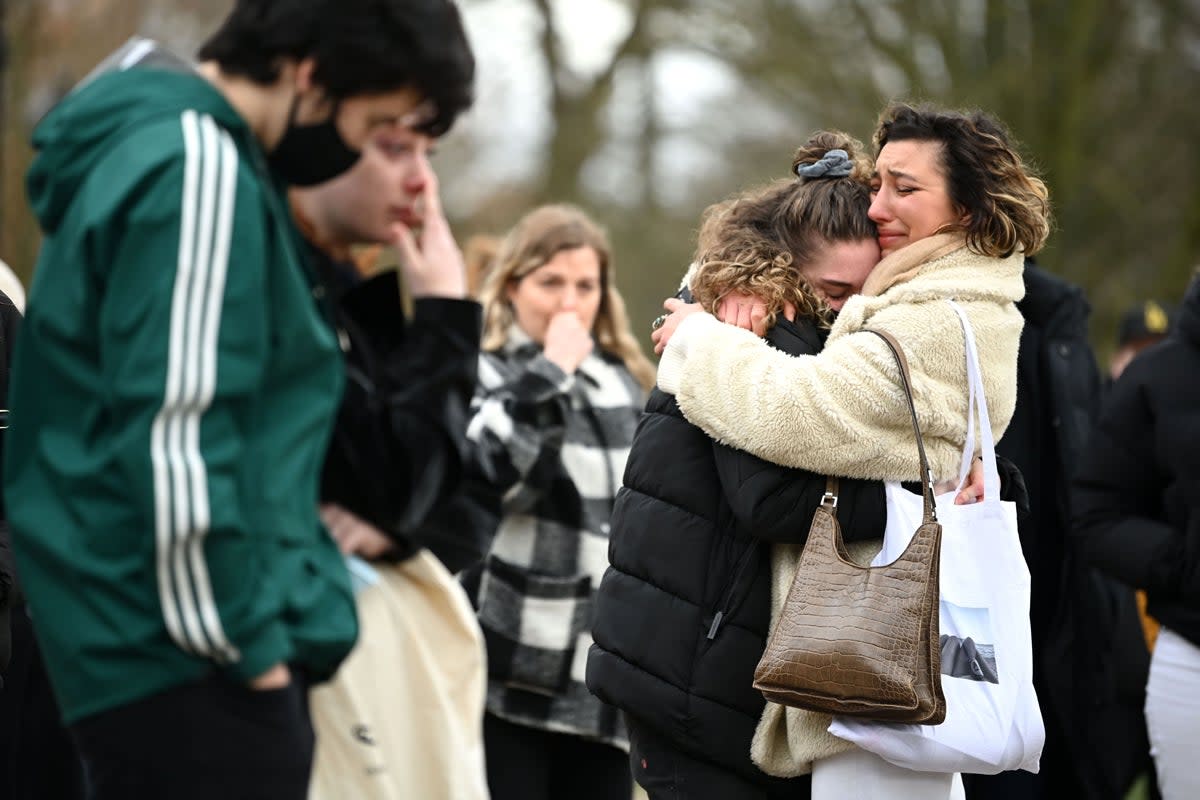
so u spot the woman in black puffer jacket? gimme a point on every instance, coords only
(683, 612)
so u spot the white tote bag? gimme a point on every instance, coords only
(993, 721)
(403, 717)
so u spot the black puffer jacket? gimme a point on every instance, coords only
(1136, 495)
(1058, 396)
(682, 614)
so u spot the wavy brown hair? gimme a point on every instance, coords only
(1006, 205)
(760, 241)
(534, 240)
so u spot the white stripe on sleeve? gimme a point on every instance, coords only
(182, 513)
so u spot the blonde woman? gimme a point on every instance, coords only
(561, 387)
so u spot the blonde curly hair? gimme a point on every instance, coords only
(760, 241)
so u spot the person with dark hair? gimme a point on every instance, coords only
(177, 379)
(358, 48)
(1087, 653)
(397, 449)
(695, 520)
(1135, 507)
(956, 211)
(1140, 326)
(396, 457)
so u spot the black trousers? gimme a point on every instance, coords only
(668, 773)
(38, 759)
(525, 763)
(199, 741)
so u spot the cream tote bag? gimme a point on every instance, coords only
(403, 717)
(993, 721)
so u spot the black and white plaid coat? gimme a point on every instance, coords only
(555, 445)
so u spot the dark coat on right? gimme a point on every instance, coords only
(1137, 491)
(1089, 658)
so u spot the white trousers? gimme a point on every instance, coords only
(859, 775)
(1173, 715)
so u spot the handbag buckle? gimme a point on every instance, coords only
(829, 500)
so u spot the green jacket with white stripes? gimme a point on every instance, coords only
(172, 396)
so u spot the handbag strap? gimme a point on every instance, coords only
(829, 499)
(906, 382)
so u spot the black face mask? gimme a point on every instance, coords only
(311, 154)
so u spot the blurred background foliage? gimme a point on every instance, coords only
(646, 111)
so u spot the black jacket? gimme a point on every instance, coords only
(1058, 395)
(10, 323)
(1089, 659)
(1137, 491)
(397, 451)
(683, 612)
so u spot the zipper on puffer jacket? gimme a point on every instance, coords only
(726, 605)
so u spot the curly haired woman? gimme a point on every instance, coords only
(684, 611)
(956, 211)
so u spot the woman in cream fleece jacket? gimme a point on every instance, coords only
(956, 211)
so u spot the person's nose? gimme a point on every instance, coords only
(879, 211)
(569, 299)
(418, 176)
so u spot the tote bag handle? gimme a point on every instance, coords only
(977, 404)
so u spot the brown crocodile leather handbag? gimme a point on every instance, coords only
(861, 641)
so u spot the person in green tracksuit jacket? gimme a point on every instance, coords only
(176, 381)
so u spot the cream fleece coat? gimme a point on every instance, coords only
(842, 412)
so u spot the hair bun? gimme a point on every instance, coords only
(835, 163)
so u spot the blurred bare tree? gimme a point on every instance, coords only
(51, 44)
(1099, 92)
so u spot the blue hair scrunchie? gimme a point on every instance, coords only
(834, 164)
